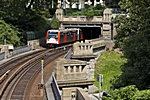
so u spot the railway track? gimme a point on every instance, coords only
(15, 61)
(17, 86)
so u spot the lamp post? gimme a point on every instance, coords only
(5, 38)
(42, 72)
(100, 80)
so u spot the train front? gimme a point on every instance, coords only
(52, 37)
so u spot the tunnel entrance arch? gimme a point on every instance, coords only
(104, 23)
(90, 32)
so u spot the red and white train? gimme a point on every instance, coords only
(57, 37)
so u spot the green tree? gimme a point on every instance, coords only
(124, 93)
(133, 38)
(128, 93)
(55, 23)
(11, 32)
(142, 95)
(26, 15)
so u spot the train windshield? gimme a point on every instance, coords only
(52, 35)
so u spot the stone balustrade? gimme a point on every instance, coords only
(82, 18)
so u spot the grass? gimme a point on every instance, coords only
(108, 65)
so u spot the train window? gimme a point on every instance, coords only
(68, 33)
(52, 32)
(62, 33)
(52, 36)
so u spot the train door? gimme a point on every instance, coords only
(65, 37)
(78, 36)
(74, 35)
(81, 34)
(61, 37)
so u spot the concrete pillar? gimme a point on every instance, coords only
(68, 69)
(106, 26)
(74, 69)
(59, 14)
(80, 68)
(89, 47)
(82, 48)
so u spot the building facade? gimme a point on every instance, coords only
(80, 4)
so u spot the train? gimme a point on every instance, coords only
(63, 36)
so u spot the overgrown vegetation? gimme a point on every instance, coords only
(133, 38)
(128, 93)
(109, 65)
(88, 11)
(10, 33)
(55, 23)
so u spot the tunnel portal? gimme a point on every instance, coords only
(91, 32)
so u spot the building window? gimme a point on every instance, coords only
(77, 5)
(68, 5)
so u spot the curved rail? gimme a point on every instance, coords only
(24, 71)
(4, 67)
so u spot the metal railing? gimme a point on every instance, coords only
(52, 89)
(55, 88)
(21, 50)
(2, 56)
(69, 54)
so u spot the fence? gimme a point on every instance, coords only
(55, 88)
(52, 89)
(32, 35)
(69, 54)
(21, 50)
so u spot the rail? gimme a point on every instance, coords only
(13, 75)
(97, 39)
(24, 66)
(81, 95)
(52, 90)
(69, 54)
(55, 88)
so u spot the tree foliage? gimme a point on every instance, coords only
(124, 93)
(142, 95)
(25, 15)
(128, 93)
(12, 11)
(133, 37)
(88, 11)
(10, 32)
(55, 23)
